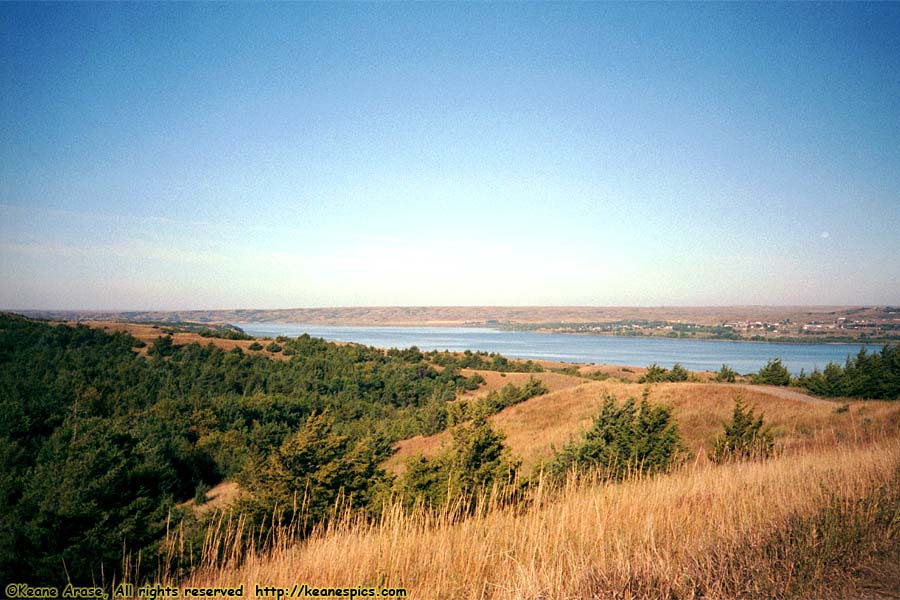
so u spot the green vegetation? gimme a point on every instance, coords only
(483, 361)
(713, 332)
(475, 464)
(875, 375)
(726, 375)
(656, 373)
(744, 438)
(494, 401)
(229, 333)
(255, 346)
(774, 373)
(302, 480)
(623, 440)
(99, 445)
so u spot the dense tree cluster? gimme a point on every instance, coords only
(866, 375)
(98, 444)
(484, 361)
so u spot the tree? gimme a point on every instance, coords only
(475, 464)
(313, 470)
(622, 440)
(678, 373)
(774, 373)
(654, 374)
(745, 437)
(162, 346)
(726, 375)
(255, 346)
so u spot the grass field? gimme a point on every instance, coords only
(819, 520)
(536, 425)
(822, 522)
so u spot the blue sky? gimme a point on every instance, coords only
(171, 156)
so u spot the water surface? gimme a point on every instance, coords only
(695, 355)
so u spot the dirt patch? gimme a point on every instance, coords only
(219, 497)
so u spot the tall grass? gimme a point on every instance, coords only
(792, 526)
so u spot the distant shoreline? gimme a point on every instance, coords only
(793, 341)
(775, 324)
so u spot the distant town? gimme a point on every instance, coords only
(878, 325)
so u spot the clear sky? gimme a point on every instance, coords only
(173, 156)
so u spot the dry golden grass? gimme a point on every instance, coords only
(431, 445)
(218, 497)
(535, 426)
(798, 525)
(494, 380)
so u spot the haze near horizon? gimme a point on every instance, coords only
(270, 156)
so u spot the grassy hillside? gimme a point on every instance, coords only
(820, 519)
(803, 525)
(537, 425)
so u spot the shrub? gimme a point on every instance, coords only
(255, 346)
(200, 496)
(313, 470)
(656, 373)
(726, 375)
(875, 375)
(476, 463)
(774, 373)
(678, 373)
(622, 440)
(273, 348)
(744, 438)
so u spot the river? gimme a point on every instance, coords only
(695, 355)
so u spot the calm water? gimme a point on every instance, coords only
(695, 355)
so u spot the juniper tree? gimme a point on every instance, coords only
(745, 437)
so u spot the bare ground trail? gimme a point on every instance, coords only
(783, 392)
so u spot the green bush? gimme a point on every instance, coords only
(483, 361)
(774, 373)
(656, 374)
(726, 375)
(474, 465)
(622, 440)
(255, 346)
(745, 437)
(310, 472)
(678, 373)
(494, 401)
(273, 348)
